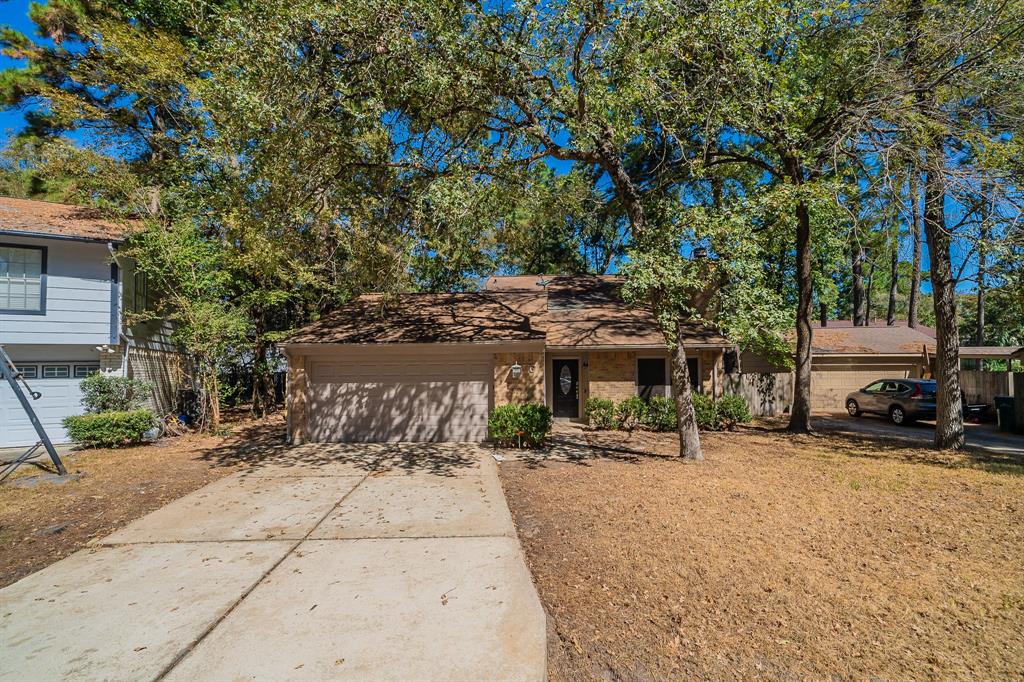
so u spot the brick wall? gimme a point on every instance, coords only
(113, 363)
(612, 374)
(528, 388)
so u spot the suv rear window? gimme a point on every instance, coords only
(929, 388)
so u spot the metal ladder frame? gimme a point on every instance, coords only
(14, 377)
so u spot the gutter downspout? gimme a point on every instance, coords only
(117, 338)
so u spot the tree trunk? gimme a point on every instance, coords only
(979, 334)
(949, 423)
(870, 294)
(629, 195)
(915, 244)
(856, 268)
(894, 276)
(800, 418)
(689, 436)
(262, 384)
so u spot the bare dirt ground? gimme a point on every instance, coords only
(45, 522)
(836, 556)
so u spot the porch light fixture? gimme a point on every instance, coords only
(517, 370)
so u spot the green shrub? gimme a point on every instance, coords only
(108, 393)
(523, 425)
(109, 429)
(706, 412)
(732, 410)
(632, 413)
(661, 414)
(601, 413)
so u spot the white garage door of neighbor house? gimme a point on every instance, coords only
(61, 397)
(400, 397)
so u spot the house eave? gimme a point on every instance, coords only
(62, 237)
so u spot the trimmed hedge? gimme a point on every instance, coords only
(601, 414)
(705, 412)
(733, 410)
(110, 429)
(517, 425)
(632, 413)
(659, 413)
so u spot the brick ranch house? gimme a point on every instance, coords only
(430, 367)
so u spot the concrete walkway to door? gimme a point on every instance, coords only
(382, 562)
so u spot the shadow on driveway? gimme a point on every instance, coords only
(260, 445)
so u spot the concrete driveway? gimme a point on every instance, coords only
(384, 562)
(980, 437)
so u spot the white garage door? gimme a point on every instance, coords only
(388, 396)
(61, 397)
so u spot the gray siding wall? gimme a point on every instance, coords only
(78, 296)
(154, 335)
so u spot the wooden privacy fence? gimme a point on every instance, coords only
(771, 394)
(982, 387)
(767, 394)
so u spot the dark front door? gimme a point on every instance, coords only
(566, 387)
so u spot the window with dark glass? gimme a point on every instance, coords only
(82, 371)
(651, 378)
(56, 371)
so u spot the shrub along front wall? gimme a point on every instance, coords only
(110, 429)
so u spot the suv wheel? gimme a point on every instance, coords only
(853, 409)
(897, 415)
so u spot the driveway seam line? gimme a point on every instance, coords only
(182, 655)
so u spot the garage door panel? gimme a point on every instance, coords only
(416, 398)
(830, 386)
(60, 398)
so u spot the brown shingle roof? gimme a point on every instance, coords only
(431, 318)
(590, 312)
(879, 340)
(47, 219)
(568, 312)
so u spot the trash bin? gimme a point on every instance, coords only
(1004, 412)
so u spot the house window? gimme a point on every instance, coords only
(651, 377)
(28, 371)
(140, 298)
(693, 369)
(22, 279)
(82, 371)
(56, 371)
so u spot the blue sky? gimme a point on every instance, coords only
(13, 13)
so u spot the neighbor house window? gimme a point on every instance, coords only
(82, 371)
(56, 371)
(28, 371)
(22, 279)
(651, 377)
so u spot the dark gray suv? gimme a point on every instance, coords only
(902, 400)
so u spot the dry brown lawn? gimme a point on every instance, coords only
(779, 557)
(44, 522)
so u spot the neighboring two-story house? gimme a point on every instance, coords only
(64, 295)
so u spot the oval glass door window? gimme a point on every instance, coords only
(565, 379)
